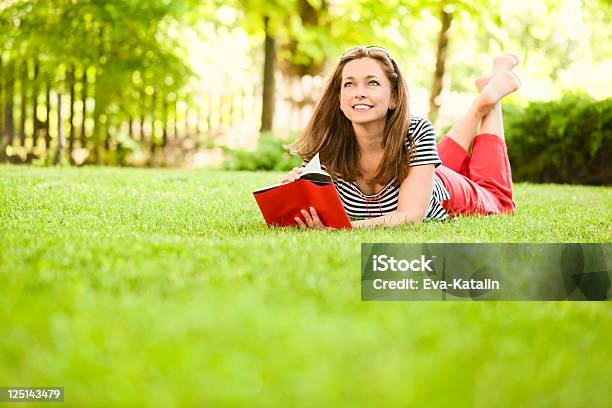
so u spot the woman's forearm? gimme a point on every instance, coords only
(390, 220)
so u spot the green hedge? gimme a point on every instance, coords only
(564, 141)
(271, 154)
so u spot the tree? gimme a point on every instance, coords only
(267, 112)
(114, 41)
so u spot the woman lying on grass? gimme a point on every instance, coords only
(384, 162)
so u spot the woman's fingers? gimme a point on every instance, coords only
(289, 178)
(315, 218)
(308, 219)
(311, 220)
(300, 223)
(292, 176)
(295, 173)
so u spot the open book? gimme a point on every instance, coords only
(281, 203)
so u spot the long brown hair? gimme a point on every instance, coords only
(331, 134)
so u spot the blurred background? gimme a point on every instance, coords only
(228, 83)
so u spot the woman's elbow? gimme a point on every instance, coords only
(409, 217)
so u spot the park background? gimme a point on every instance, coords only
(137, 270)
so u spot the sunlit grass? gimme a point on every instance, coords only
(165, 288)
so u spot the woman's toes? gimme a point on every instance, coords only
(504, 62)
(515, 56)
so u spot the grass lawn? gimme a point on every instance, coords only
(137, 287)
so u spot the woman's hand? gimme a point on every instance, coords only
(312, 220)
(292, 176)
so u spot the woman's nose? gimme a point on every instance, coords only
(361, 91)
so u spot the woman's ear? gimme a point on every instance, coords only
(393, 103)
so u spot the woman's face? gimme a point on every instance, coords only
(365, 91)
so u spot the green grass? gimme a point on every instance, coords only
(165, 288)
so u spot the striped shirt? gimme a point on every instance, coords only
(359, 205)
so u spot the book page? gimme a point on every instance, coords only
(313, 171)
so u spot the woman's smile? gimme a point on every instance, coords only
(362, 107)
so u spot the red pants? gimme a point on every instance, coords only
(480, 183)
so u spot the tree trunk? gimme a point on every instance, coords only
(107, 139)
(267, 111)
(107, 133)
(107, 136)
(143, 114)
(175, 123)
(99, 109)
(71, 136)
(61, 135)
(48, 118)
(97, 96)
(186, 134)
(198, 121)
(2, 109)
(221, 106)
(230, 114)
(97, 130)
(22, 103)
(2, 123)
(84, 99)
(209, 113)
(131, 128)
(165, 128)
(8, 104)
(446, 19)
(37, 124)
(153, 141)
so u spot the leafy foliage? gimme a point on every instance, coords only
(127, 49)
(564, 141)
(271, 154)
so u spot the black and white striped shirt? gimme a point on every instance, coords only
(359, 205)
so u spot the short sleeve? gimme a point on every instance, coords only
(425, 148)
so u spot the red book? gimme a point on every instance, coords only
(281, 203)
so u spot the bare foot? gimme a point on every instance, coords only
(504, 62)
(500, 85)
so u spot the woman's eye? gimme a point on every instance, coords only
(347, 84)
(374, 82)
